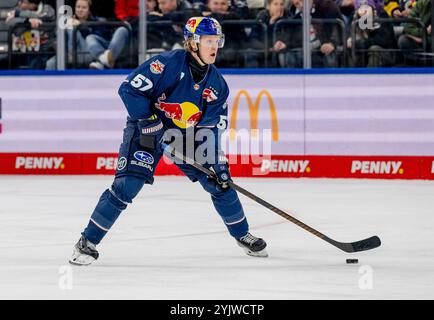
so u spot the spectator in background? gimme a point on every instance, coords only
(241, 8)
(374, 38)
(220, 10)
(82, 14)
(406, 6)
(234, 33)
(175, 11)
(397, 8)
(153, 37)
(52, 3)
(151, 6)
(106, 46)
(324, 37)
(100, 8)
(289, 44)
(347, 8)
(275, 11)
(236, 6)
(33, 14)
(104, 9)
(412, 39)
(390, 6)
(255, 6)
(127, 10)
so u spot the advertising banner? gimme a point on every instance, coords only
(342, 125)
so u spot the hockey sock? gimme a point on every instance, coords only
(104, 216)
(229, 208)
(111, 203)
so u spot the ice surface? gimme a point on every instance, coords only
(171, 244)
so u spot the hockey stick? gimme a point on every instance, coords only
(362, 245)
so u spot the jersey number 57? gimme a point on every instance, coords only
(141, 82)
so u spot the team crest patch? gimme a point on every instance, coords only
(157, 67)
(196, 87)
(209, 95)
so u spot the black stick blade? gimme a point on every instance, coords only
(362, 245)
(366, 244)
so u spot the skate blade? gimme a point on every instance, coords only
(81, 262)
(79, 259)
(258, 254)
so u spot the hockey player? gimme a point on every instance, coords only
(180, 89)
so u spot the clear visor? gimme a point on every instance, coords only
(210, 41)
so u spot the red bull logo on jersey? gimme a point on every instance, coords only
(183, 115)
(209, 95)
(156, 67)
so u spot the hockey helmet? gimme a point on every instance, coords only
(203, 26)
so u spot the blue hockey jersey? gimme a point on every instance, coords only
(164, 86)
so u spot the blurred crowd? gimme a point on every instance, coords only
(104, 34)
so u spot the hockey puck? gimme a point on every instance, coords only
(352, 260)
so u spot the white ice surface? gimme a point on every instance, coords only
(171, 244)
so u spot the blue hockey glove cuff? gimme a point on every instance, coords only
(151, 133)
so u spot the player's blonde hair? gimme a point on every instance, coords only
(187, 44)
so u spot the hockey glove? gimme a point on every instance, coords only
(222, 175)
(151, 133)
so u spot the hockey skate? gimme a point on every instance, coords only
(253, 246)
(84, 253)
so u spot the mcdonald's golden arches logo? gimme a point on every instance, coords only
(253, 111)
